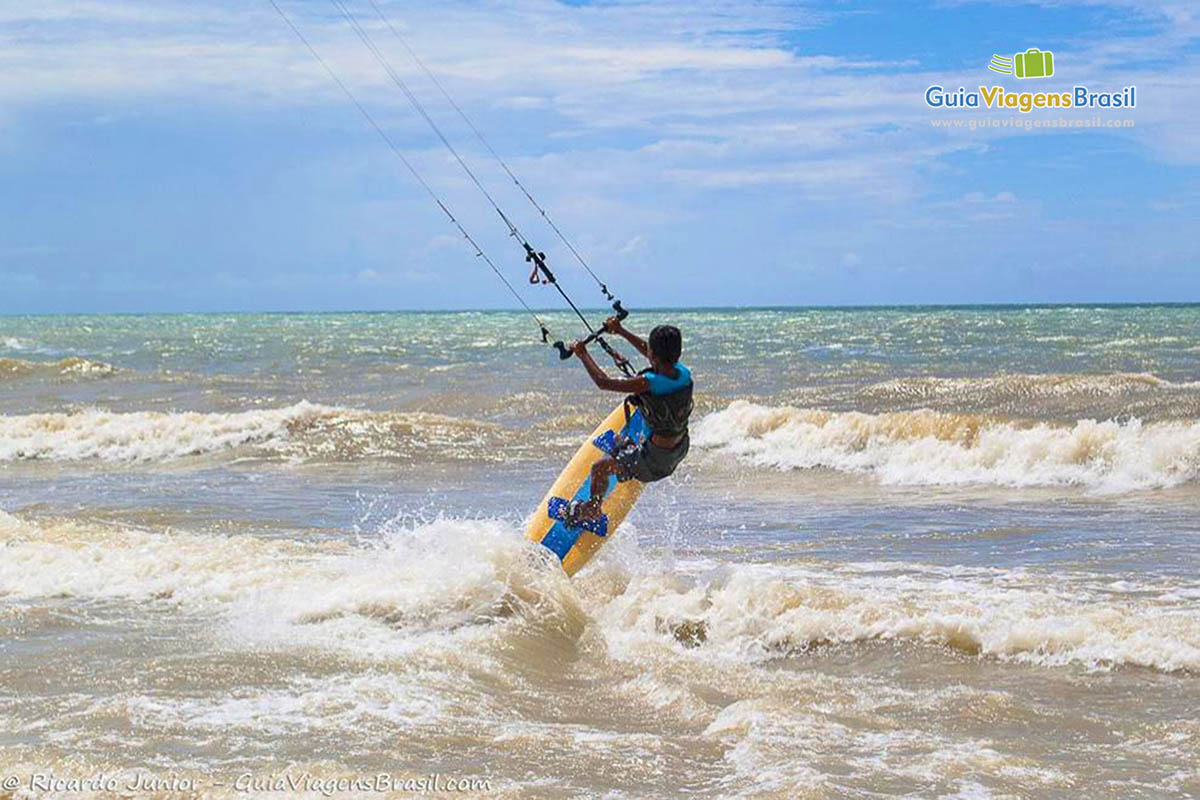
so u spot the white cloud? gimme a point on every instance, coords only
(639, 110)
(708, 71)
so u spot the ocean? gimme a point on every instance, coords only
(920, 552)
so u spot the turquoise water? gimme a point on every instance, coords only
(769, 352)
(911, 547)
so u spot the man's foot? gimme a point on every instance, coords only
(583, 511)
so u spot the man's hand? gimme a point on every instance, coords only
(613, 325)
(578, 347)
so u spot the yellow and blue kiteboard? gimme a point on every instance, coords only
(576, 544)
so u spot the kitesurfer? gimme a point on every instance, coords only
(663, 391)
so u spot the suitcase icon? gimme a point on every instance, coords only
(1034, 63)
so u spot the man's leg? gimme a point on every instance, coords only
(602, 470)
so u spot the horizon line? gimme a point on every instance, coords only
(684, 308)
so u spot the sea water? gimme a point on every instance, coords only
(914, 551)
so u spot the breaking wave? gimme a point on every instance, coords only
(926, 447)
(756, 613)
(440, 584)
(407, 588)
(73, 367)
(14, 343)
(300, 431)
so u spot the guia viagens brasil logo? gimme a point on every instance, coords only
(1032, 63)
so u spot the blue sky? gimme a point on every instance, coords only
(163, 156)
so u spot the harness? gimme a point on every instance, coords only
(666, 414)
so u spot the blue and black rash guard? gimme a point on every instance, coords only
(668, 404)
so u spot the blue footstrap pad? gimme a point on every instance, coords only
(607, 442)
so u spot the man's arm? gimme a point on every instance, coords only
(613, 325)
(602, 380)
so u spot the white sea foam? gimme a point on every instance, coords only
(420, 593)
(143, 436)
(431, 590)
(302, 430)
(88, 560)
(762, 735)
(341, 701)
(413, 588)
(755, 613)
(927, 447)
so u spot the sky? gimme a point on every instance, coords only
(158, 155)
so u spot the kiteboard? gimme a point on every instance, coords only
(575, 545)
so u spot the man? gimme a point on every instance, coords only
(664, 394)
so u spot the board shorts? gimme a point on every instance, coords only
(647, 462)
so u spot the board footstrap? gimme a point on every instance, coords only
(557, 509)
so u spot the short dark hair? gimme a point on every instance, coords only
(666, 342)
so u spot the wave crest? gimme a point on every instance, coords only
(447, 582)
(413, 587)
(300, 431)
(757, 613)
(934, 448)
(74, 366)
